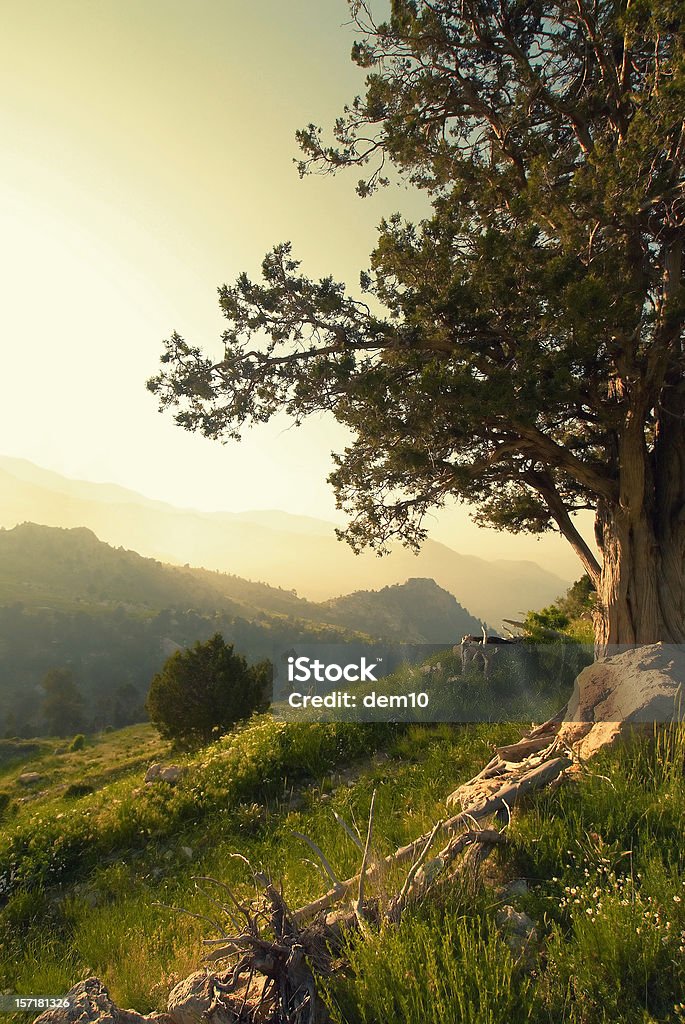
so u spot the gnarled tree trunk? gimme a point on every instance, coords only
(641, 588)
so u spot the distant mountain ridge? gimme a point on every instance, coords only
(54, 567)
(111, 617)
(288, 551)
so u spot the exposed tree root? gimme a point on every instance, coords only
(287, 949)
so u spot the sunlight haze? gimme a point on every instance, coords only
(148, 159)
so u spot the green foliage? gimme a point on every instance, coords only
(78, 742)
(202, 692)
(570, 615)
(445, 964)
(522, 344)
(612, 842)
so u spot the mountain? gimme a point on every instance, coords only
(56, 568)
(418, 611)
(287, 551)
(111, 617)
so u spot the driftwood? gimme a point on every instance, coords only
(503, 798)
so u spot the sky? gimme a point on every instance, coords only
(148, 159)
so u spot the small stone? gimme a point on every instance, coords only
(159, 773)
(518, 887)
(30, 779)
(514, 921)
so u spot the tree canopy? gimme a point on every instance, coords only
(521, 348)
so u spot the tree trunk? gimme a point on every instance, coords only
(641, 593)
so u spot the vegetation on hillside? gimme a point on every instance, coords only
(110, 617)
(200, 693)
(91, 858)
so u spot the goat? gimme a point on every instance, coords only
(481, 650)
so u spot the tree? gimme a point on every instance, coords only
(63, 703)
(522, 347)
(202, 691)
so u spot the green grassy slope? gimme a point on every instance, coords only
(602, 857)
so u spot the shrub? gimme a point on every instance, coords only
(202, 692)
(78, 742)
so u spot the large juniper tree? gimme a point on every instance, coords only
(529, 358)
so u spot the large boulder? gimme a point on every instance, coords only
(89, 1003)
(624, 693)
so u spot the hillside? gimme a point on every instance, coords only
(42, 565)
(578, 918)
(418, 611)
(287, 551)
(112, 617)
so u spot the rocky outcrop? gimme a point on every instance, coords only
(629, 691)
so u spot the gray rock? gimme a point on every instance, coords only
(160, 773)
(624, 693)
(518, 887)
(519, 932)
(514, 921)
(30, 779)
(89, 1003)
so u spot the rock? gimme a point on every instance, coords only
(187, 852)
(88, 894)
(89, 1001)
(514, 921)
(622, 694)
(519, 931)
(202, 997)
(159, 773)
(518, 887)
(194, 999)
(30, 779)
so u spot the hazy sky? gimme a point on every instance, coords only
(148, 158)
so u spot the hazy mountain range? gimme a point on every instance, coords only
(293, 552)
(111, 617)
(54, 568)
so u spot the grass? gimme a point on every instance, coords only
(85, 887)
(603, 858)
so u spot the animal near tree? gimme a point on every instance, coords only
(529, 356)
